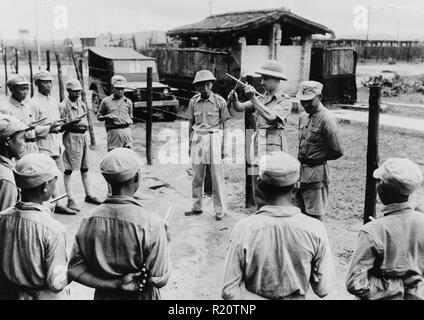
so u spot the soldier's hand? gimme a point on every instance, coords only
(130, 282)
(249, 91)
(232, 97)
(111, 116)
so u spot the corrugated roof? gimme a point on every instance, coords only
(244, 20)
(119, 53)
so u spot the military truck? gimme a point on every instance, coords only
(105, 62)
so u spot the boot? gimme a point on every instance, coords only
(89, 196)
(60, 209)
(73, 205)
(71, 202)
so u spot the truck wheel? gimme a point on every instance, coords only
(95, 101)
(169, 116)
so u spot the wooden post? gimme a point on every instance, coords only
(149, 115)
(48, 60)
(372, 152)
(31, 77)
(248, 129)
(17, 60)
(84, 97)
(60, 77)
(5, 68)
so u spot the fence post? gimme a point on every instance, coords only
(5, 68)
(372, 152)
(60, 77)
(248, 129)
(17, 60)
(149, 115)
(30, 72)
(48, 60)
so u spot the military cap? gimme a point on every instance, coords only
(34, 169)
(120, 165)
(119, 81)
(203, 76)
(400, 175)
(43, 75)
(279, 169)
(309, 90)
(73, 84)
(272, 68)
(17, 80)
(9, 125)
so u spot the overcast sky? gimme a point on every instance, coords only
(86, 17)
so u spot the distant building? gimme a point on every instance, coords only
(255, 36)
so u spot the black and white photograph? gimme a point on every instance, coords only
(211, 150)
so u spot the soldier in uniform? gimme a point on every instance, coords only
(12, 139)
(75, 140)
(271, 112)
(120, 237)
(278, 253)
(388, 263)
(15, 106)
(117, 112)
(33, 255)
(44, 106)
(208, 116)
(319, 142)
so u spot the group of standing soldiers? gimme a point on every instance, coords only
(121, 249)
(33, 258)
(319, 140)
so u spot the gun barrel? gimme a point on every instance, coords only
(243, 84)
(58, 198)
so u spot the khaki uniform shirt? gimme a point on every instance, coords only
(208, 115)
(9, 192)
(24, 113)
(117, 238)
(32, 247)
(72, 110)
(269, 137)
(47, 106)
(122, 108)
(318, 134)
(389, 260)
(276, 254)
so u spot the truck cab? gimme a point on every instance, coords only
(105, 62)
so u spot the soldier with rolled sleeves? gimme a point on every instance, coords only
(15, 106)
(33, 255)
(120, 237)
(319, 141)
(388, 263)
(117, 112)
(44, 106)
(12, 139)
(75, 140)
(278, 252)
(271, 113)
(208, 116)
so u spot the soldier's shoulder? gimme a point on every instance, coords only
(195, 98)
(220, 99)
(107, 99)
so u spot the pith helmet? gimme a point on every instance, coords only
(272, 68)
(204, 75)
